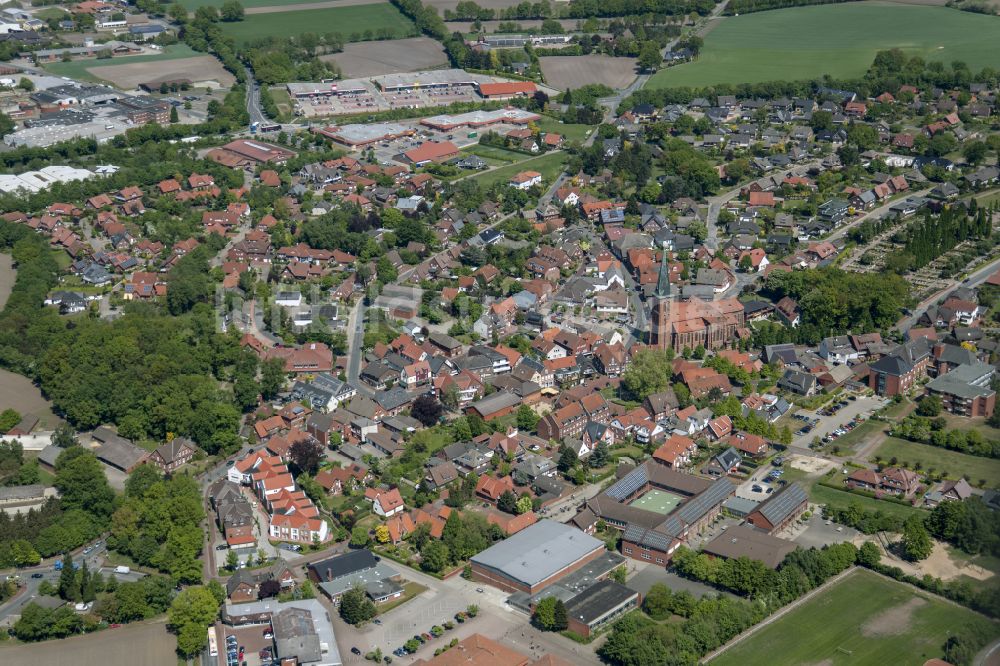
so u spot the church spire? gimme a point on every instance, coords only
(663, 283)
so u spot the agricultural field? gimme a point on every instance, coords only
(562, 72)
(199, 70)
(192, 5)
(549, 165)
(364, 59)
(862, 619)
(352, 22)
(942, 460)
(840, 40)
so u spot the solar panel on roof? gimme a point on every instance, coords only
(629, 483)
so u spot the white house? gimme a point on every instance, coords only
(525, 180)
(385, 503)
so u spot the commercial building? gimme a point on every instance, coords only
(535, 557)
(479, 118)
(361, 135)
(506, 89)
(427, 80)
(599, 605)
(303, 630)
(246, 153)
(339, 574)
(432, 151)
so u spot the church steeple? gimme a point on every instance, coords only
(663, 283)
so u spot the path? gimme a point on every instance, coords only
(7, 276)
(355, 343)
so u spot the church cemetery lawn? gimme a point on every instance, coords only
(841, 40)
(863, 618)
(351, 20)
(942, 460)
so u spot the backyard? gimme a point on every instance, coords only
(862, 619)
(840, 40)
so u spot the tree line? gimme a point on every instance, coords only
(935, 235)
(749, 6)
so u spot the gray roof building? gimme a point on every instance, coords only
(745, 541)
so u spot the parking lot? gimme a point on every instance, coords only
(822, 424)
(251, 638)
(651, 574)
(817, 532)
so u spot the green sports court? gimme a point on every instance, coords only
(657, 501)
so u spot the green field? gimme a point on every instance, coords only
(549, 165)
(494, 153)
(192, 5)
(842, 498)
(657, 501)
(570, 132)
(863, 619)
(77, 69)
(942, 460)
(350, 22)
(839, 40)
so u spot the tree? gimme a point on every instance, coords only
(916, 542)
(272, 377)
(649, 373)
(527, 419)
(929, 406)
(359, 536)
(382, 534)
(355, 606)
(269, 588)
(869, 554)
(231, 10)
(69, 584)
(306, 455)
(599, 456)
(975, 151)
(82, 483)
(544, 615)
(507, 502)
(426, 409)
(434, 556)
(174, 118)
(560, 619)
(189, 615)
(524, 504)
(232, 560)
(567, 459)
(64, 436)
(650, 57)
(9, 417)
(141, 480)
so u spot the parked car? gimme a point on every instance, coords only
(222, 546)
(36, 575)
(355, 650)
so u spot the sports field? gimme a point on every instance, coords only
(863, 619)
(351, 22)
(657, 501)
(840, 40)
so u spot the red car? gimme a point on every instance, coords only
(114, 626)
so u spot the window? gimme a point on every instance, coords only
(645, 556)
(659, 560)
(628, 551)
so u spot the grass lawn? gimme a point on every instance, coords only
(862, 433)
(572, 132)
(78, 69)
(863, 619)
(839, 40)
(549, 165)
(351, 21)
(497, 155)
(283, 101)
(841, 498)
(410, 590)
(942, 460)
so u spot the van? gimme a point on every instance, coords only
(122, 570)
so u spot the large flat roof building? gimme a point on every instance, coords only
(535, 557)
(745, 541)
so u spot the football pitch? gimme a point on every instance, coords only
(862, 619)
(657, 501)
(841, 40)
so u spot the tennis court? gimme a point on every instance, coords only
(657, 501)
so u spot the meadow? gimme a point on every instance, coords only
(956, 464)
(351, 22)
(840, 40)
(549, 165)
(862, 619)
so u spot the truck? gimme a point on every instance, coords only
(253, 127)
(122, 569)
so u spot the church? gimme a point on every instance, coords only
(679, 324)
